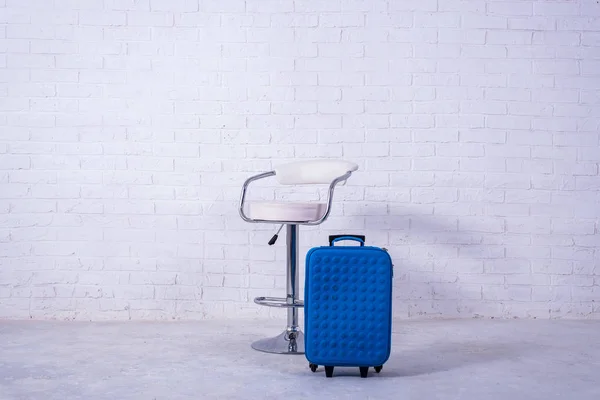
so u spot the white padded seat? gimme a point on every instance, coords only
(287, 211)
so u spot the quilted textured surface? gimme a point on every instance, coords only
(348, 306)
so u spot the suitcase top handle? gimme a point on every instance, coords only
(359, 239)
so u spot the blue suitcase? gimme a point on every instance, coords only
(348, 306)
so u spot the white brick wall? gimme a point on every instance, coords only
(128, 126)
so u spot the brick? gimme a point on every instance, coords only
(354, 107)
(576, 82)
(461, 36)
(175, 5)
(333, 79)
(362, 5)
(555, 124)
(375, 79)
(487, 107)
(535, 23)
(389, 20)
(437, 20)
(531, 82)
(318, 93)
(459, 179)
(102, 18)
(15, 162)
(508, 66)
(52, 47)
(436, 79)
(589, 97)
(366, 121)
(411, 121)
(587, 183)
(573, 281)
(436, 107)
(367, 93)
(556, 67)
(588, 125)
(27, 31)
(33, 206)
(507, 293)
(508, 122)
(532, 52)
(274, 6)
(477, 21)
(129, 5)
(510, 8)
(533, 166)
(285, 20)
(153, 18)
(454, 93)
(554, 95)
(317, 121)
(433, 195)
(435, 163)
(585, 23)
(427, 5)
(575, 227)
(486, 81)
(421, 35)
(508, 37)
(369, 149)
(584, 293)
(554, 294)
(507, 181)
(407, 149)
(573, 253)
(185, 26)
(357, 65)
(42, 191)
(15, 46)
(564, 168)
(532, 109)
(527, 196)
(559, 9)
(507, 210)
(586, 154)
(334, 136)
(556, 38)
(29, 61)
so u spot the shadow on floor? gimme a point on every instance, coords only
(453, 355)
(439, 358)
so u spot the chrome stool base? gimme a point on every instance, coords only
(279, 302)
(291, 341)
(288, 342)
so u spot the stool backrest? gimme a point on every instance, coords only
(312, 171)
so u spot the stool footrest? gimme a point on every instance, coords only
(278, 302)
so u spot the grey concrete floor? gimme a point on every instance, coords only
(451, 359)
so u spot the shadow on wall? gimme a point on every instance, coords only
(440, 271)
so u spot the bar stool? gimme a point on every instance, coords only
(293, 214)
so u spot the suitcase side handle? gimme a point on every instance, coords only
(338, 238)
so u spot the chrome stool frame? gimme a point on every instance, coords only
(291, 340)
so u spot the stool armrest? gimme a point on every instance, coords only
(332, 186)
(245, 189)
(334, 183)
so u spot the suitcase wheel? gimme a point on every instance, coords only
(364, 372)
(313, 367)
(329, 372)
(378, 369)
